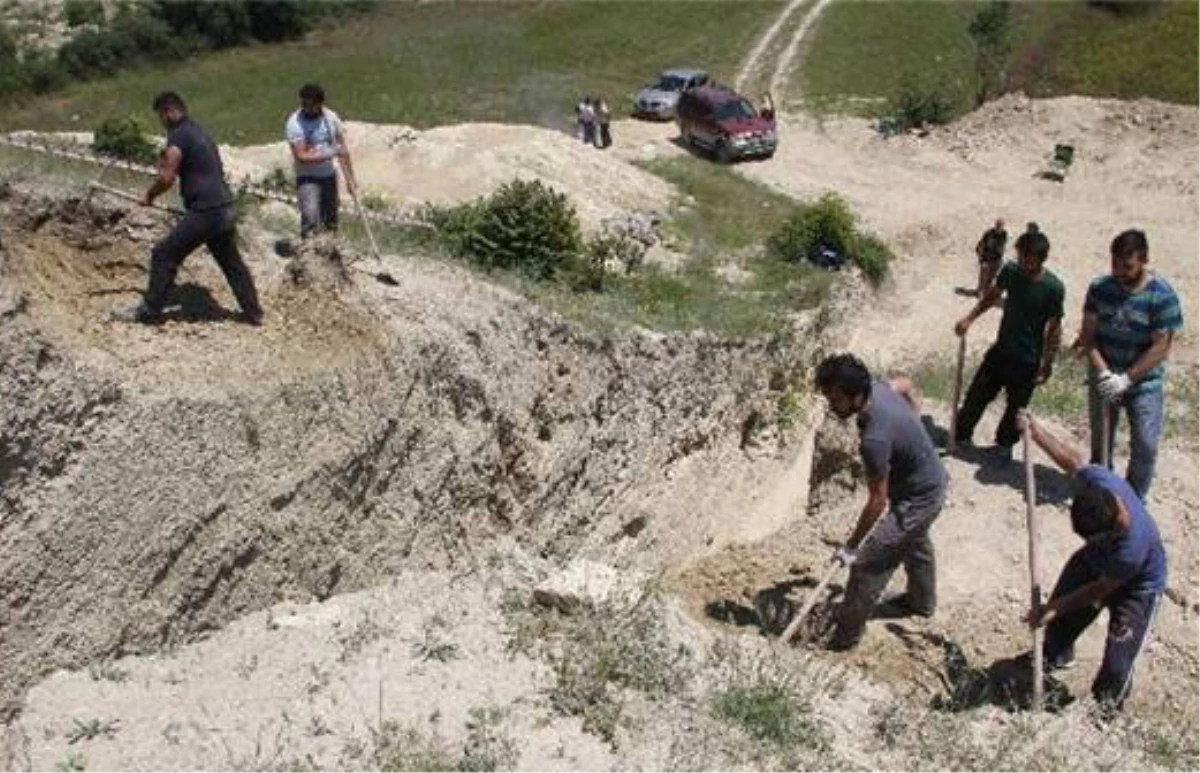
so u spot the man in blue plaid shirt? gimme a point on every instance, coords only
(1129, 320)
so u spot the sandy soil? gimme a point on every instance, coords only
(927, 196)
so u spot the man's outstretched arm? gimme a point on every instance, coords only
(1064, 455)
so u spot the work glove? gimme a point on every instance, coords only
(844, 556)
(1112, 385)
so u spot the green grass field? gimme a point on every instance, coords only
(432, 64)
(860, 53)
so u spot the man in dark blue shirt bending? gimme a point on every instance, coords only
(1122, 567)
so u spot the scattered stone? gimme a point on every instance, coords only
(587, 582)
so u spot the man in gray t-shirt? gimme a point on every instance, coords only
(906, 485)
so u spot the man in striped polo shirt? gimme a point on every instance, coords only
(1129, 319)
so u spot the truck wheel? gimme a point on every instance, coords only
(724, 153)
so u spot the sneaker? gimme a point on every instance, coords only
(139, 314)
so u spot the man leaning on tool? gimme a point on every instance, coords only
(211, 218)
(906, 486)
(1122, 567)
(318, 141)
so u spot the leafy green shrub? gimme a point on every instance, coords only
(277, 180)
(80, 12)
(44, 74)
(124, 138)
(872, 256)
(829, 222)
(523, 225)
(916, 106)
(133, 36)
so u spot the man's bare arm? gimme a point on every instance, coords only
(1065, 456)
(1160, 349)
(168, 172)
(877, 500)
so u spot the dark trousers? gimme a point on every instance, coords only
(901, 537)
(215, 229)
(1130, 615)
(318, 197)
(997, 371)
(605, 138)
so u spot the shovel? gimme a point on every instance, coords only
(380, 275)
(120, 194)
(1035, 589)
(819, 592)
(958, 374)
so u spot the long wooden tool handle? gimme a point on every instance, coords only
(1105, 434)
(120, 194)
(813, 598)
(1035, 590)
(958, 374)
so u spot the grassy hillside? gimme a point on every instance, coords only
(861, 52)
(435, 63)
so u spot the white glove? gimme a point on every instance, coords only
(1112, 385)
(844, 556)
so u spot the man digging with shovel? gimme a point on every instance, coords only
(1122, 567)
(906, 485)
(211, 218)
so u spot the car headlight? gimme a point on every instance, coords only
(769, 135)
(739, 141)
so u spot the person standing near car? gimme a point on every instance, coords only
(317, 138)
(603, 119)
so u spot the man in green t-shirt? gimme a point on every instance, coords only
(1023, 354)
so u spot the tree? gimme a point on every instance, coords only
(990, 29)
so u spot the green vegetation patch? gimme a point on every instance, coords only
(429, 64)
(863, 55)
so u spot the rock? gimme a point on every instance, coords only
(587, 582)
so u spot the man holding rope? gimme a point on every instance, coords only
(906, 486)
(1122, 566)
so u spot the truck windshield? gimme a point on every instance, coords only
(670, 83)
(741, 109)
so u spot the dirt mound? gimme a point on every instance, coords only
(160, 482)
(452, 164)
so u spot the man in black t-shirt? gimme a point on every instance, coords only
(211, 219)
(990, 251)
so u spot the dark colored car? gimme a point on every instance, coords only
(722, 121)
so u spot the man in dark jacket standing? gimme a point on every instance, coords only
(211, 219)
(990, 251)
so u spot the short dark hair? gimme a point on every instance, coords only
(312, 91)
(1033, 242)
(1094, 510)
(1130, 243)
(845, 373)
(167, 100)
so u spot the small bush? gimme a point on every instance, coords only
(524, 226)
(872, 256)
(80, 12)
(829, 223)
(124, 138)
(918, 106)
(44, 74)
(277, 180)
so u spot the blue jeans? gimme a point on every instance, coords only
(1145, 412)
(318, 198)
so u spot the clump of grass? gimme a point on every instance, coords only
(431, 646)
(92, 729)
(597, 653)
(768, 712)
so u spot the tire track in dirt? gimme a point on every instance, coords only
(783, 64)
